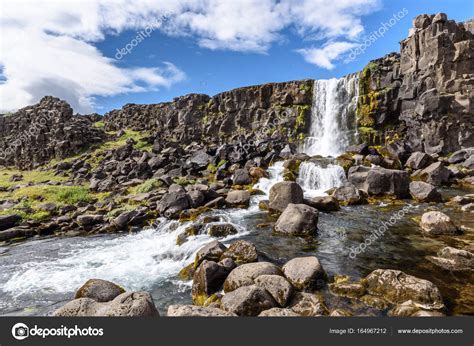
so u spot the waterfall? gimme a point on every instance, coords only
(316, 179)
(332, 116)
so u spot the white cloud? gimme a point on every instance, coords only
(51, 44)
(324, 57)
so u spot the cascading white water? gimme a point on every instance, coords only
(332, 116)
(315, 180)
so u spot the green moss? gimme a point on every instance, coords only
(183, 181)
(306, 87)
(99, 124)
(221, 163)
(300, 124)
(368, 102)
(211, 168)
(368, 134)
(147, 186)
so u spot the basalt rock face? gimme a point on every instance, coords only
(36, 134)
(423, 99)
(271, 110)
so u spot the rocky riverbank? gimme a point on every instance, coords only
(184, 163)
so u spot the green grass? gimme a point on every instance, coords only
(147, 186)
(34, 177)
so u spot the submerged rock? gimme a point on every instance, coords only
(128, 304)
(397, 287)
(453, 259)
(297, 220)
(436, 223)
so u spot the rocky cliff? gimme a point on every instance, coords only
(423, 98)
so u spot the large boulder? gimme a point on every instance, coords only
(397, 287)
(418, 160)
(128, 304)
(8, 221)
(284, 193)
(435, 174)
(323, 203)
(99, 290)
(453, 259)
(280, 289)
(435, 223)
(248, 301)
(246, 274)
(241, 252)
(197, 311)
(238, 198)
(211, 252)
(297, 220)
(380, 181)
(172, 203)
(241, 177)
(305, 273)
(424, 192)
(348, 194)
(460, 155)
(207, 280)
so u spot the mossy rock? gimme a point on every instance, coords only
(187, 272)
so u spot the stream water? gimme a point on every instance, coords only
(39, 275)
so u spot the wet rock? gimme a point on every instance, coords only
(241, 252)
(462, 200)
(257, 173)
(221, 230)
(435, 174)
(128, 304)
(460, 155)
(18, 232)
(278, 312)
(410, 309)
(248, 301)
(284, 193)
(207, 279)
(197, 311)
(246, 274)
(347, 289)
(8, 221)
(397, 287)
(297, 220)
(468, 208)
(380, 181)
(436, 223)
(99, 290)
(228, 264)
(305, 273)
(323, 203)
(308, 304)
(238, 198)
(241, 177)
(211, 252)
(453, 259)
(280, 289)
(418, 160)
(424, 192)
(348, 194)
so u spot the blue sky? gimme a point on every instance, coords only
(76, 60)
